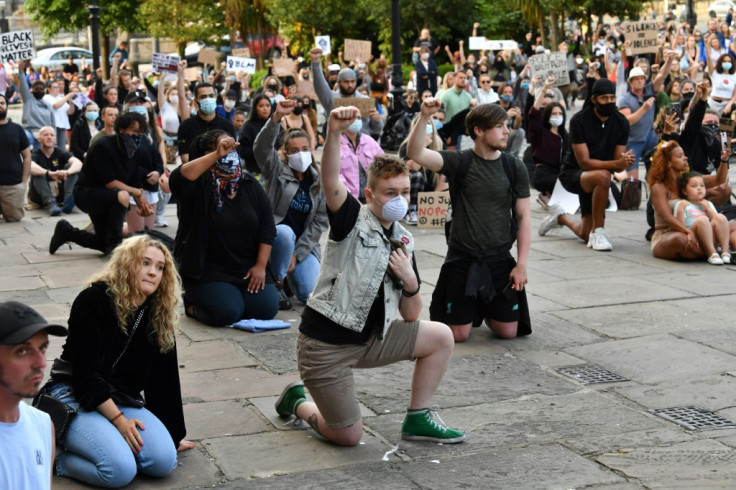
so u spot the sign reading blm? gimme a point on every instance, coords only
(642, 37)
(16, 46)
(552, 65)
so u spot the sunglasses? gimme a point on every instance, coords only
(485, 81)
(549, 96)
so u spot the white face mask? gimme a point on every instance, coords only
(229, 104)
(300, 161)
(556, 121)
(425, 56)
(173, 100)
(394, 209)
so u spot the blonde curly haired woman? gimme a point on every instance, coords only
(121, 343)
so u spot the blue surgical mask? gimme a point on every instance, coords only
(138, 109)
(273, 101)
(92, 116)
(356, 127)
(437, 124)
(726, 66)
(207, 106)
(525, 85)
(232, 78)
(428, 130)
(155, 83)
(506, 98)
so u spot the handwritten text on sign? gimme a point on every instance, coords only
(552, 65)
(164, 63)
(246, 65)
(642, 37)
(431, 209)
(16, 46)
(357, 50)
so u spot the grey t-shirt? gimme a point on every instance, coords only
(481, 220)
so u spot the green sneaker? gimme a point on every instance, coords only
(292, 396)
(419, 425)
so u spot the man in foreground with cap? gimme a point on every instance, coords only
(346, 85)
(26, 434)
(598, 135)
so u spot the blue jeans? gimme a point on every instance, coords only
(35, 144)
(95, 453)
(640, 147)
(163, 200)
(220, 304)
(304, 276)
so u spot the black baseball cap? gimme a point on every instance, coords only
(135, 95)
(19, 322)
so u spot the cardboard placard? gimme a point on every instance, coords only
(501, 45)
(432, 209)
(191, 73)
(242, 52)
(306, 87)
(477, 42)
(364, 104)
(208, 56)
(246, 65)
(164, 63)
(16, 46)
(642, 37)
(357, 50)
(323, 43)
(552, 65)
(284, 67)
(727, 124)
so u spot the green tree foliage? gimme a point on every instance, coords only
(55, 15)
(183, 20)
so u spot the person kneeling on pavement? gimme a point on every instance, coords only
(293, 187)
(52, 164)
(368, 274)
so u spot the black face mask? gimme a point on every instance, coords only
(298, 110)
(273, 88)
(686, 97)
(38, 94)
(605, 110)
(709, 132)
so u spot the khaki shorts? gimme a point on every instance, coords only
(327, 369)
(12, 201)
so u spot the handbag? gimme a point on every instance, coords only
(631, 194)
(62, 415)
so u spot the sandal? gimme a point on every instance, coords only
(715, 259)
(726, 258)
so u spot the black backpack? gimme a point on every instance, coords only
(509, 167)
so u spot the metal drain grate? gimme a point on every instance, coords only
(694, 418)
(590, 373)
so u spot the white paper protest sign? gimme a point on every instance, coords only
(16, 46)
(642, 37)
(323, 43)
(164, 63)
(500, 45)
(477, 42)
(236, 63)
(551, 65)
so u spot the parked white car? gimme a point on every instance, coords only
(53, 58)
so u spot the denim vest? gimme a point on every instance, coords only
(352, 271)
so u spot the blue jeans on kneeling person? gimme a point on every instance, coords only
(304, 276)
(94, 451)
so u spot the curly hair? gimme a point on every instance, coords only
(659, 171)
(120, 276)
(384, 167)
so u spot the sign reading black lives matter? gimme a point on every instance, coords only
(16, 46)
(552, 65)
(642, 37)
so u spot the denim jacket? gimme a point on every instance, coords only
(352, 272)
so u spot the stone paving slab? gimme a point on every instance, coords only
(274, 350)
(723, 339)
(209, 420)
(656, 358)
(209, 355)
(298, 451)
(696, 464)
(226, 384)
(712, 393)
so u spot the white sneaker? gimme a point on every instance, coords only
(161, 222)
(550, 222)
(599, 241)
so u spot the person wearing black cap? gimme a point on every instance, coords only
(26, 434)
(598, 136)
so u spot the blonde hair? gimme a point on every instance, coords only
(120, 276)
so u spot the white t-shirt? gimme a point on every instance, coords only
(25, 451)
(723, 84)
(169, 118)
(490, 97)
(62, 118)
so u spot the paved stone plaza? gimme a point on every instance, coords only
(665, 326)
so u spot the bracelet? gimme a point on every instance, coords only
(47, 174)
(112, 420)
(410, 295)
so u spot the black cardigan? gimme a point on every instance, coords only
(94, 343)
(81, 136)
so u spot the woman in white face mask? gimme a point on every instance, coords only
(548, 137)
(300, 213)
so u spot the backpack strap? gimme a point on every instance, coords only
(509, 166)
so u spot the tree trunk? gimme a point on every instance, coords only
(105, 53)
(540, 26)
(259, 37)
(554, 27)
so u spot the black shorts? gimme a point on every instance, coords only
(570, 180)
(459, 310)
